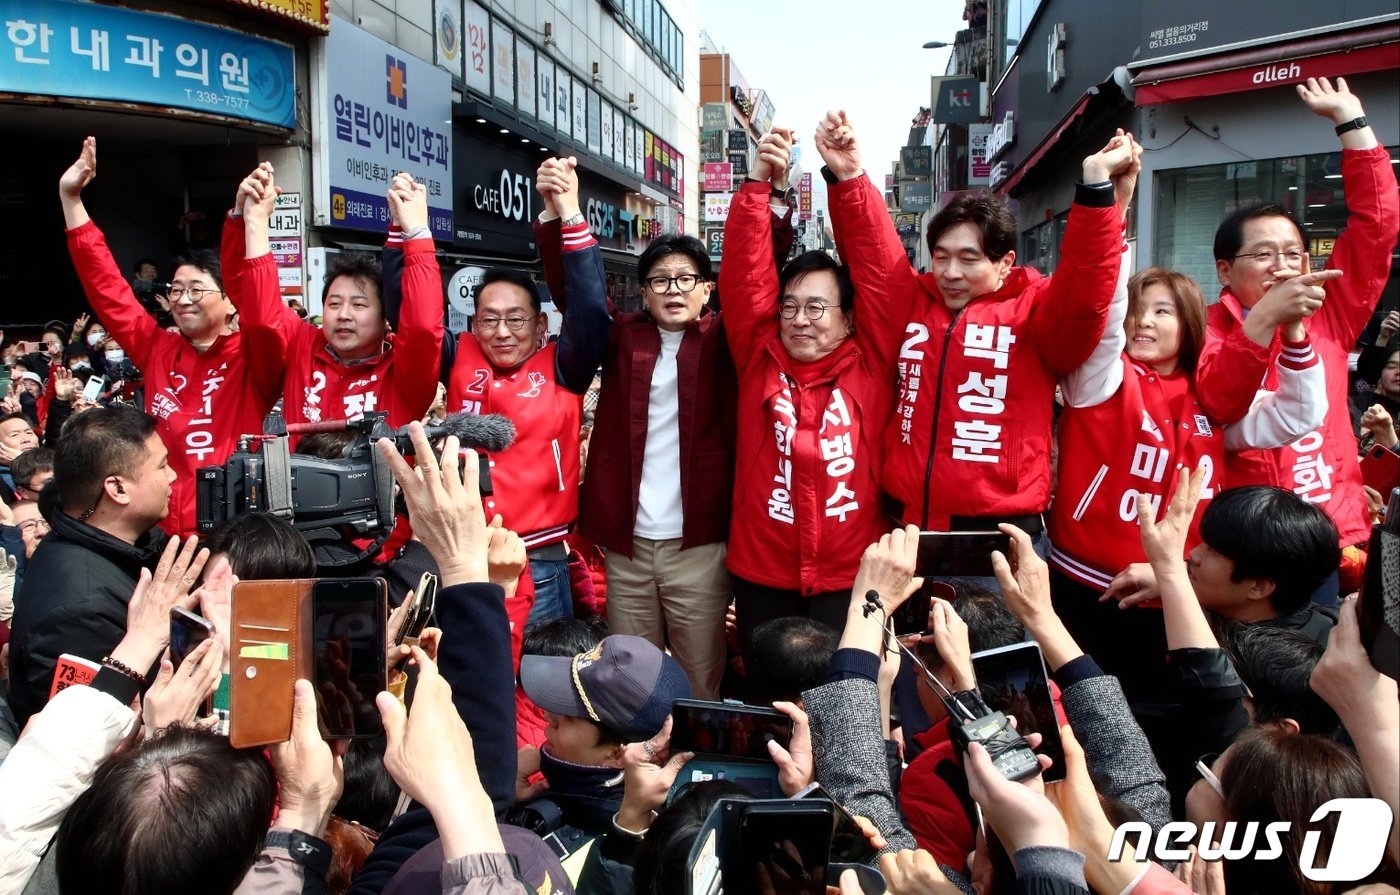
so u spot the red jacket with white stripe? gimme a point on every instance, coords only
(400, 381)
(202, 401)
(806, 483)
(536, 478)
(971, 432)
(1321, 467)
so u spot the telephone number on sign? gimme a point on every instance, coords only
(217, 99)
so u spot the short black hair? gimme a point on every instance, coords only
(1273, 535)
(814, 262)
(370, 794)
(326, 445)
(1276, 664)
(675, 244)
(262, 547)
(30, 463)
(141, 262)
(989, 215)
(361, 267)
(661, 858)
(1229, 236)
(786, 657)
(182, 811)
(206, 260)
(513, 276)
(93, 445)
(17, 415)
(563, 637)
(990, 625)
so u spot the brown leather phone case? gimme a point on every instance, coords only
(268, 617)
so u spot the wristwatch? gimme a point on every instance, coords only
(1352, 125)
(788, 195)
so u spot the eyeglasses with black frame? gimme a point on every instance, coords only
(686, 282)
(813, 309)
(1266, 256)
(196, 293)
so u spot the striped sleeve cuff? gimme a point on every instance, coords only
(395, 237)
(1298, 355)
(575, 237)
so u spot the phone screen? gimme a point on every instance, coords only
(912, 615)
(849, 844)
(1013, 681)
(348, 619)
(960, 554)
(187, 631)
(790, 843)
(718, 729)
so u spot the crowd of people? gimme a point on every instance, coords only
(722, 497)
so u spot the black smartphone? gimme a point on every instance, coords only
(1376, 610)
(789, 839)
(722, 728)
(1013, 681)
(187, 631)
(912, 615)
(348, 616)
(420, 611)
(849, 844)
(960, 554)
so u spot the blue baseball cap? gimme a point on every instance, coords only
(624, 682)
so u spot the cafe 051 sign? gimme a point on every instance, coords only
(495, 197)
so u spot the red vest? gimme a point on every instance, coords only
(535, 479)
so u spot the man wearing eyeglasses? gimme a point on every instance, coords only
(506, 365)
(205, 384)
(1261, 258)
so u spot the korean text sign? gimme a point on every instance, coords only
(82, 50)
(386, 112)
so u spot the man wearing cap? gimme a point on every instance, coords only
(594, 703)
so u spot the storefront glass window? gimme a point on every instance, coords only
(1190, 203)
(1040, 245)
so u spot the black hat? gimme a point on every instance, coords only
(540, 869)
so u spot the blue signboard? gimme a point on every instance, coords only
(85, 51)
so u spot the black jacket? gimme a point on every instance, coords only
(73, 600)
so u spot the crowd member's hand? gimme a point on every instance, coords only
(1344, 677)
(527, 765)
(795, 766)
(1024, 579)
(1337, 104)
(444, 505)
(1117, 158)
(648, 770)
(948, 633)
(505, 555)
(906, 872)
(7, 453)
(309, 776)
(79, 331)
(408, 203)
(1020, 813)
(887, 567)
(65, 384)
(215, 601)
(148, 611)
(773, 157)
(1133, 586)
(1090, 831)
(836, 143)
(1165, 542)
(1389, 327)
(175, 695)
(1378, 421)
(1202, 877)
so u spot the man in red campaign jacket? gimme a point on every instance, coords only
(1261, 257)
(351, 364)
(985, 341)
(205, 385)
(504, 366)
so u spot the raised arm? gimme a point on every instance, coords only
(419, 333)
(1296, 408)
(1100, 377)
(107, 290)
(267, 323)
(866, 238)
(1069, 320)
(1165, 544)
(583, 300)
(748, 275)
(551, 179)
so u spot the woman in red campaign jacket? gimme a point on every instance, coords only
(1131, 420)
(815, 391)
(205, 385)
(352, 364)
(985, 342)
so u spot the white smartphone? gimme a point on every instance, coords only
(96, 385)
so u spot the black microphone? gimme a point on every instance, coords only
(491, 432)
(872, 603)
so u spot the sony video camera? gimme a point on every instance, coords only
(328, 500)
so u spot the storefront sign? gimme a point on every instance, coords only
(1152, 90)
(957, 100)
(717, 207)
(915, 196)
(476, 55)
(382, 118)
(741, 100)
(906, 223)
(763, 111)
(495, 197)
(714, 241)
(663, 164)
(714, 117)
(314, 14)
(1002, 136)
(719, 177)
(917, 161)
(978, 169)
(461, 298)
(1194, 27)
(502, 62)
(447, 29)
(738, 141)
(286, 216)
(804, 197)
(87, 51)
(1000, 171)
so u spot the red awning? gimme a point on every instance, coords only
(1045, 145)
(1261, 68)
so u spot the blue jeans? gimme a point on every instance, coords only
(553, 596)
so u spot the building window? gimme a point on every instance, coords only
(1190, 203)
(1040, 245)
